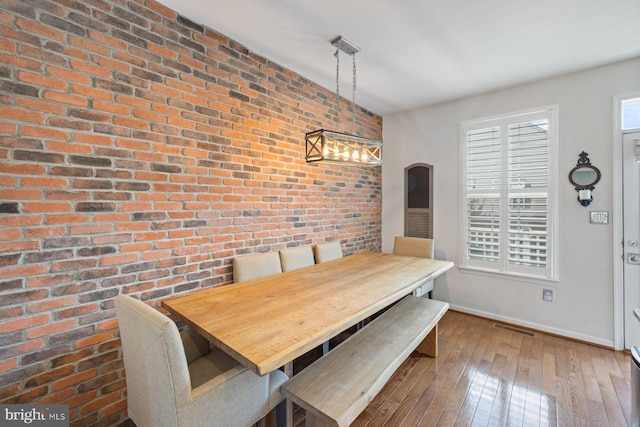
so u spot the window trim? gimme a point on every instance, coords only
(550, 274)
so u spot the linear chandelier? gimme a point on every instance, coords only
(333, 146)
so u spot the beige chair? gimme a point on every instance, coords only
(295, 258)
(255, 266)
(413, 246)
(416, 247)
(175, 379)
(328, 251)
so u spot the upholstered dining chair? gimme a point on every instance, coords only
(176, 379)
(255, 266)
(328, 251)
(295, 258)
(417, 247)
(413, 246)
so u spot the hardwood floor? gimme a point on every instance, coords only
(488, 376)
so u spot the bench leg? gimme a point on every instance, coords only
(288, 369)
(313, 421)
(429, 345)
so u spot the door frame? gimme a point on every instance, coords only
(617, 221)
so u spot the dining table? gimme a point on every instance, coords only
(268, 322)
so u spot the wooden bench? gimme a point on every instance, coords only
(336, 388)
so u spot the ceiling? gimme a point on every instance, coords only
(416, 53)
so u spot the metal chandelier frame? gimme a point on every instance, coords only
(332, 146)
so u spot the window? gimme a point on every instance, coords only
(631, 114)
(508, 194)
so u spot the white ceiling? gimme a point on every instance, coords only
(422, 52)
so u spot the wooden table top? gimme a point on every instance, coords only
(266, 323)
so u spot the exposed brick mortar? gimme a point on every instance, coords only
(140, 152)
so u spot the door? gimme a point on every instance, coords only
(418, 201)
(631, 233)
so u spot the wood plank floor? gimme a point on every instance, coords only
(488, 376)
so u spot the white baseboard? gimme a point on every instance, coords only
(536, 326)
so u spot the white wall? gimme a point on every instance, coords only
(583, 297)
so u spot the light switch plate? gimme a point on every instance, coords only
(599, 217)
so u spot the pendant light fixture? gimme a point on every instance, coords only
(333, 146)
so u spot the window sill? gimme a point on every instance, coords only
(509, 276)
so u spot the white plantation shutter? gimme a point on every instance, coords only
(528, 181)
(507, 194)
(483, 194)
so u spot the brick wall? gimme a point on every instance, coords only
(140, 152)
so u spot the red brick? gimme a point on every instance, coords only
(99, 403)
(49, 376)
(38, 105)
(29, 396)
(36, 207)
(108, 325)
(91, 69)
(59, 397)
(24, 323)
(164, 52)
(65, 147)
(53, 304)
(20, 62)
(7, 45)
(52, 328)
(41, 81)
(8, 128)
(44, 231)
(87, 45)
(119, 406)
(67, 219)
(93, 93)
(131, 123)
(75, 379)
(108, 41)
(11, 113)
(111, 217)
(8, 365)
(64, 98)
(118, 259)
(92, 139)
(23, 271)
(149, 116)
(44, 132)
(78, 400)
(46, 31)
(68, 75)
(94, 339)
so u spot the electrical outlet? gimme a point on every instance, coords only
(547, 295)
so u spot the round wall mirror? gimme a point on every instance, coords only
(584, 176)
